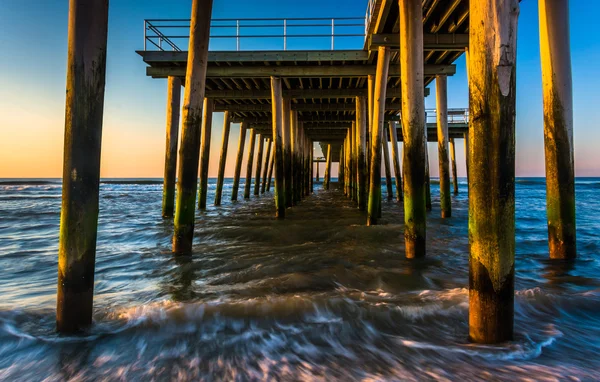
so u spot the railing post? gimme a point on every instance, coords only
(237, 34)
(145, 34)
(284, 34)
(332, 32)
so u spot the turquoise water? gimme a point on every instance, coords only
(317, 296)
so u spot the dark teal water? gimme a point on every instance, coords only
(318, 296)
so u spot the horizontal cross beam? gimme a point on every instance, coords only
(345, 106)
(443, 42)
(391, 92)
(151, 57)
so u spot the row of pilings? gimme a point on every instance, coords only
(491, 62)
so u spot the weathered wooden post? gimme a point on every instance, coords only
(555, 51)
(361, 128)
(396, 159)
(277, 113)
(381, 78)
(370, 98)
(271, 164)
(259, 159)
(341, 175)
(492, 88)
(173, 106)
(189, 151)
(327, 176)
(263, 188)
(238, 162)
(295, 156)
(453, 160)
(346, 175)
(205, 152)
(466, 142)
(441, 96)
(317, 169)
(428, 206)
(355, 139)
(413, 126)
(86, 71)
(249, 164)
(287, 152)
(311, 166)
(386, 160)
(222, 158)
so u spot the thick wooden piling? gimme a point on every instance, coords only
(170, 174)
(259, 160)
(238, 162)
(555, 51)
(189, 151)
(386, 161)
(492, 87)
(277, 114)
(263, 188)
(295, 157)
(347, 179)
(287, 152)
(370, 98)
(453, 160)
(441, 92)
(413, 126)
(249, 164)
(222, 158)
(271, 164)
(381, 77)
(86, 71)
(393, 133)
(327, 177)
(205, 152)
(361, 128)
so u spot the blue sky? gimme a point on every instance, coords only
(33, 68)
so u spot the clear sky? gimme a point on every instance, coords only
(33, 43)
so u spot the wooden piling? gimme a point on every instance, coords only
(441, 85)
(189, 151)
(370, 98)
(347, 165)
(287, 152)
(277, 114)
(266, 167)
(453, 160)
(386, 161)
(205, 152)
(170, 174)
(317, 170)
(341, 175)
(86, 71)
(259, 160)
(311, 166)
(327, 177)
(381, 77)
(413, 126)
(271, 164)
(222, 158)
(249, 164)
(238, 162)
(555, 51)
(466, 148)
(295, 157)
(492, 88)
(428, 205)
(393, 133)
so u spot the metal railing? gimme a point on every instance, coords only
(454, 116)
(265, 34)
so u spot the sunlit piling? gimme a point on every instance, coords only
(277, 115)
(192, 120)
(205, 152)
(381, 76)
(466, 149)
(287, 151)
(428, 205)
(453, 160)
(361, 128)
(238, 162)
(327, 176)
(271, 164)
(386, 161)
(170, 174)
(393, 133)
(492, 86)
(259, 160)
(249, 164)
(441, 86)
(557, 87)
(222, 158)
(86, 70)
(263, 187)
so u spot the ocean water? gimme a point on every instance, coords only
(319, 296)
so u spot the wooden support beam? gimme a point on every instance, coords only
(238, 162)
(361, 127)
(266, 167)
(205, 152)
(557, 86)
(277, 113)
(466, 148)
(287, 152)
(436, 42)
(386, 161)
(296, 154)
(391, 92)
(249, 164)
(428, 205)
(327, 177)
(345, 119)
(195, 79)
(222, 158)
(180, 57)
(441, 85)
(492, 102)
(413, 126)
(86, 72)
(453, 160)
(393, 134)
(296, 71)
(259, 160)
(341, 106)
(170, 174)
(271, 164)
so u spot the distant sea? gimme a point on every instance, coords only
(319, 296)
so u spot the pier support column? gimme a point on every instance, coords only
(327, 177)
(413, 126)
(317, 168)
(205, 152)
(428, 205)
(347, 179)
(222, 158)
(381, 78)
(361, 128)
(466, 144)
(86, 72)
(393, 132)
(249, 164)
(238, 162)
(277, 114)
(557, 89)
(189, 151)
(271, 164)
(386, 160)
(287, 152)
(341, 174)
(370, 97)
(441, 92)
(453, 159)
(353, 161)
(492, 88)
(295, 157)
(259, 160)
(170, 175)
(266, 168)
(311, 166)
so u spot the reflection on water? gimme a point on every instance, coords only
(317, 296)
